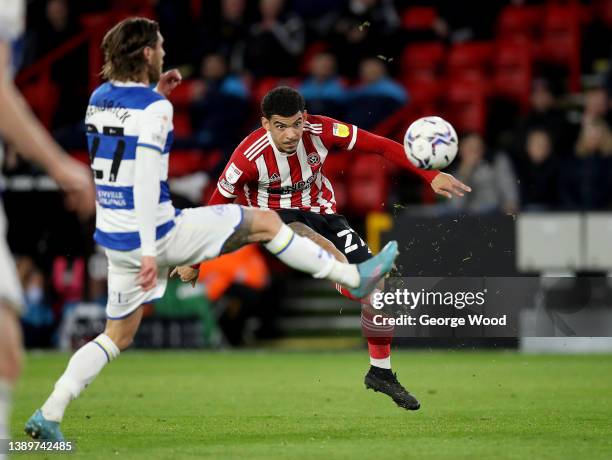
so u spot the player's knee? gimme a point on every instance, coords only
(266, 224)
(305, 231)
(11, 363)
(335, 252)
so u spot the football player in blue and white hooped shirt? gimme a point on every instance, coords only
(129, 132)
(19, 127)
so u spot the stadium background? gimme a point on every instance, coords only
(525, 84)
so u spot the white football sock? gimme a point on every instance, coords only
(303, 254)
(5, 409)
(82, 368)
(384, 363)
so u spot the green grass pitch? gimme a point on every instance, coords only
(281, 405)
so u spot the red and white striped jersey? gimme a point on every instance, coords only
(270, 179)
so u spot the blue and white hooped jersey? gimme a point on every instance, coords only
(121, 117)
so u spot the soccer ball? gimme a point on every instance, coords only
(430, 143)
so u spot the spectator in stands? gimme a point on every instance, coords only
(538, 171)
(176, 22)
(275, 42)
(226, 35)
(493, 182)
(376, 96)
(218, 89)
(323, 90)
(70, 72)
(37, 320)
(456, 23)
(595, 105)
(544, 114)
(58, 26)
(363, 28)
(586, 179)
(596, 45)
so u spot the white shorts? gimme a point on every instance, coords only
(10, 287)
(199, 234)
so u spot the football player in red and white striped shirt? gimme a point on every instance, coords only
(280, 166)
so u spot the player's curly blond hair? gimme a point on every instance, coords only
(123, 48)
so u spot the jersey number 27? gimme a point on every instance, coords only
(117, 155)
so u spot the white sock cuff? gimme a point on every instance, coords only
(281, 241)
(108, 346)
(384, 363)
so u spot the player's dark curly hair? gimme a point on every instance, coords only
(282, 101)
(123, 47)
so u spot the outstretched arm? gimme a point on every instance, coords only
(19, 126)
(442, 183)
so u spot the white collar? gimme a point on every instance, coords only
(127, 83)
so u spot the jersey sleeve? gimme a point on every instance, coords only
(238, 171)
(155, 124)
(336, 135)
(12, 19)
(344, 136)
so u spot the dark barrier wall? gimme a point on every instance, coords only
(455, 246)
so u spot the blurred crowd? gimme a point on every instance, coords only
(343, 55)
(552, 153)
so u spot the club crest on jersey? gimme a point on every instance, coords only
(313, 159)
(274, 177)
(233, 173)
(341, 130)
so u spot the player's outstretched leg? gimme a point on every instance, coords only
(302, 254)
(83, 367)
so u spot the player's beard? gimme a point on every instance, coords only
(154, 71)
(289, 150)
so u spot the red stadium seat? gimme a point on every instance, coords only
(519, 22)
(182, 96)
(81, 155)
(560, 42)
(425, 93)
(603, 10)
(368, 185)
(513, 71)
(470, 59)
(184, 162)
(42, 96)
(419, 18)
(182, 124)
(264, 85)
(422, 60)
(311, 51)
(466, 107)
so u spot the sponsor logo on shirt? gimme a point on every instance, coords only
(226, 185)
(297, 187)
(341, 130)
(233, 174)
(275, 177)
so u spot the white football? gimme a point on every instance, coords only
(431, 143)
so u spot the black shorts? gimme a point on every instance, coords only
(335, 228)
